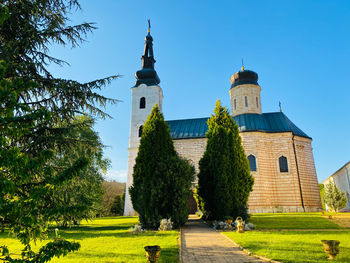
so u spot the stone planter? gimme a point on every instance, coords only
(152, 253)
(331, 247)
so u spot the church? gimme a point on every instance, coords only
(279, 153)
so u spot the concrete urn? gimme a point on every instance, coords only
(152, 253)
(331, 247)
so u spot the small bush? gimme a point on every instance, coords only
(220, 225)
(137, 229)
(165, 225)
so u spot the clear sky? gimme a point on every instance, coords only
(300, 49)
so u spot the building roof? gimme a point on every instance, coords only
(267, 122)
(244, 77)
(324, 181)
(147, 75)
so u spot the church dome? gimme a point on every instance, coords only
(244, 77)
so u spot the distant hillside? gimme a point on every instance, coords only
(111, 189)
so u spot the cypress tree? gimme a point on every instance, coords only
(224, 180)
(161, 179)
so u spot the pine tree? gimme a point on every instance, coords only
(36, 112)
(334, 198)
(224, 180)
(162, 180)
(80, 198)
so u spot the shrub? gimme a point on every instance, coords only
(334, 198)
(165, 225)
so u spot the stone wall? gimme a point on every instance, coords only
(273, 191)
(249, 92)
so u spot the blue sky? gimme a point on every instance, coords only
(300, 49)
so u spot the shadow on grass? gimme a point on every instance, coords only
(94, 232)
(168, 254)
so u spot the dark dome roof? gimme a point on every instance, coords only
(147, 76)
(244, 77)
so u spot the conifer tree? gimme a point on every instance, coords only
(334, 198)
(36, 111)
(224, 180)
(117, 206)
(161, 180)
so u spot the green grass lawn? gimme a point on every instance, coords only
(109, 240)
(292, 221)
(293, 246)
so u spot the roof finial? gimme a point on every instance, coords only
(279, 104)
(149, 26)
(242, 68)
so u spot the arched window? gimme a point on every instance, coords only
(142, 103)
(283, 164)
(257, 102)
(246, 101)
(252, 163)
(140, 130)
(235, 103)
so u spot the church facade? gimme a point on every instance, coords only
(279, 153)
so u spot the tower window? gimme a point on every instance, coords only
(142, 103)
(235, 103)
(283, 164)
(140, 130)
(257, 102)
(246, 101)
(252, 163)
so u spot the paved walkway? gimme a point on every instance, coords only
(201, 244)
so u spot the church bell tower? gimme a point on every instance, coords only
(245, 93)
(144, 95)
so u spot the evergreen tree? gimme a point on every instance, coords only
(36, 112)
(162, 180)
(224, 180)
(80, 198)
(334, 198)
(322, 192)
(181, 175)
(117, 206)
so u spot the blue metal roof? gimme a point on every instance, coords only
(249, 122)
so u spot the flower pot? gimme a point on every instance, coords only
(331, 247)
(152, 253)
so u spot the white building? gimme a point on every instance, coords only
(341, 178)
(279, 153)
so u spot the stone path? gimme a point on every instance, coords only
(201, 244)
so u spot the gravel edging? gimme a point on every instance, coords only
(250, 253)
